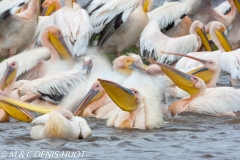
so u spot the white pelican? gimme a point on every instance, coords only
(220, 101)
(75, 26)
(52, 38)
(50, 6)
(205, 13)
(119, 23)
(153, 42)
(172, 19)
(15, 26)
(140, 108)
(55, 123)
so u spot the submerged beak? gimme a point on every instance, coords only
(123, 97)
(236, 2)
(28, 106)
(90, 96)
(204, 39)
(61, 47)
(49, 10)
(8, 77)
(181, 79)
(202, 72)
(223, 40)
(136, 67)
(88, 69)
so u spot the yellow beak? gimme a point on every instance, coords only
(181, 79)
(61, 47)
(90, 96)
(145, 6)
(136, 67)
(121, 96)
(28, 106)
(237, 5)
(204, 39)
(21, 115)
(49, 10)
(202, 72)
(8, 77)
(223, 40)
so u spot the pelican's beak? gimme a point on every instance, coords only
(223, 40)
(145, 6)
(90, 96)
(181, 79)
(204, 39)
(28, 106)
(48, 10)
(88, 69)
(8, 77)
(202, 72)
(123, 97)
(136, 67)
(236, 2)
(61, 47)
(17, 113)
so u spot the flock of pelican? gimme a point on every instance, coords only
(55, 62)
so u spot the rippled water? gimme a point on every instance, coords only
(189, 136)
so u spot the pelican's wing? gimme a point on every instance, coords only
(27, 60)
(10, 7)
(223, 8)
(213, 103)
(169, 15)
(151, 39)
(85, 31)
(55, 86)
(93, 5)
(183, 45)
(110, 11)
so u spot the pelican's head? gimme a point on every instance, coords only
(126, 65)
(54, 35)
(9, 75)
(202, 39)
(50, 6)
(95, 93)
(87, 65)
(126, 99)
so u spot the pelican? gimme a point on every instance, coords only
(205, 101)
(205, 13)
(155, 42)
(172, 19)
(55, 123)
(17, 26)
(75, 26)
(50, 6)
(6, 85)
(52, 38)
(118, 23)
(140, 109)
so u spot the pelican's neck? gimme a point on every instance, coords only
(233, 8)
(58, 5)
(46, 43)
(215, 38)
(68, 3)
(212, 83)
(32, 9)
(193, 31)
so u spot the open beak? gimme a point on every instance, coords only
(8, 77)
(123, 97)
(88, 69)
(28, 106)
(204, 39)
(136, 67)
(202, 72)
(49, 10)
(223, 40)
(90, 96)
(236, 2)
(181, 79)
(61, 47)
